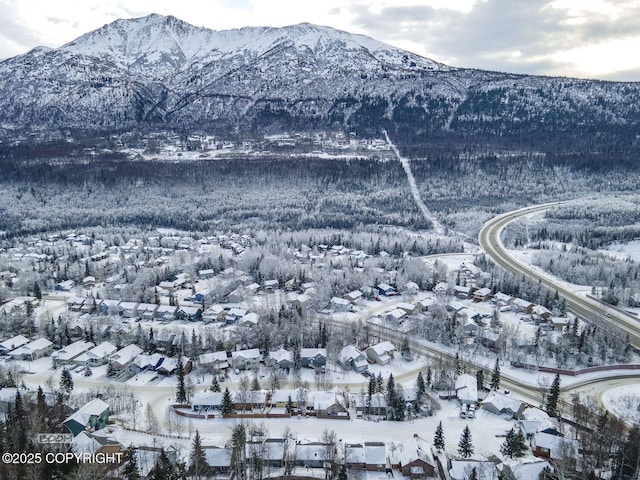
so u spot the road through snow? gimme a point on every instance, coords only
(437, 226)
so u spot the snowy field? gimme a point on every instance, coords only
(624, 402)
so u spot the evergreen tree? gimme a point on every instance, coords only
(465, 445)
(227, 408)
(37, 292)
(130, 469)
(181, 391)
(215, 386)
(554, 396)
(495, 376)
(438, 438)
(112, 371)
(198, 466)
(429, 378)
(421, 388)
(87, 371)
(342, 474)
(480, 380)
(66, 381)
(514, 445)
(379, 383)
(289, 407)
(372, 387)
(474, 474)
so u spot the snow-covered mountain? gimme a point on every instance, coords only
(159, 70)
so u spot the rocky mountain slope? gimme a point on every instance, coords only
(160, 72)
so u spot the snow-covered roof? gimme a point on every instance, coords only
(413, 449)
(557, 446)
(212, 357)
(102, 350)
(72, 350)
(312, 352)
(126, 354)
(383, 348)
(460, 469)
(502, 402)
(466, 387)
(83, 415)
(350, 352)
(13, 343)
(354, 453)
(281, 355)
(251, 353)
(33, 346)
(375, 453)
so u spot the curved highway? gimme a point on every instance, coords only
(585, 307)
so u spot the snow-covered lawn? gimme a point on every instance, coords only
(624, 402)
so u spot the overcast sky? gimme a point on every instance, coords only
(578, 38)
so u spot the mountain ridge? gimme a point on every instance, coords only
(161, 72)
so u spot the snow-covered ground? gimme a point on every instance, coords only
(624, 402)
(625, 250)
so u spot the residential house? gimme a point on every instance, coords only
(502, 299)
(146, 363)
(214, 361)
(546, 445)
(329, 404)
(354, 456)
(340, 304)
(89, 281)
(466, 387)
(166, 313)
(541, 312)
(280, 358)
(522, 469)
(234, 314)
(313, 357)
(376, 406)
(502, 404)
(375, 456)
(128, 309)
(298, 396)
(68, 354)
(65, 286)
(219, 459)
(109, 307)
(414, 458)
(91, 416)
(169, 365)
(250, 320)
(74, 304)
(312, 454)
(33, 350)
(522, 306)
(98, 355)
(381, 353)
(124, 357)
(396, 315)
(352, 358)
(354, 296)
(246, 359)
(409, 308)
(147, 311)
(386, 290)
(192, 314)
(91, 443)
(215, 313)
(482, 295)
(13, 343)
(206, 401)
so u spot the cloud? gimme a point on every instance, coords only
(520, 36)
(590, 38)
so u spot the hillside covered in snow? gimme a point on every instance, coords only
(160, 72)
